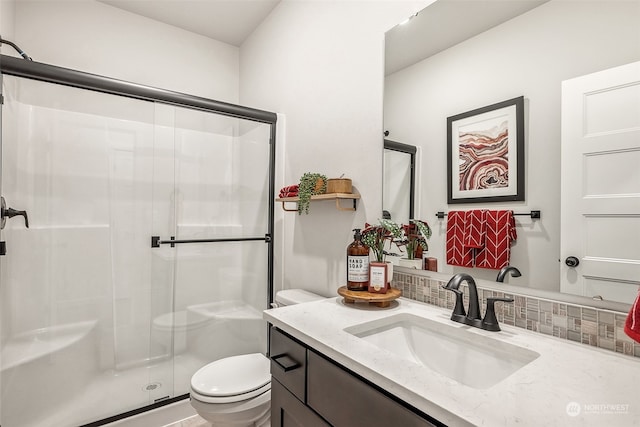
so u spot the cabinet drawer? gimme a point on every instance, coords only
(346, 401)
(288, 363)
(287, 411)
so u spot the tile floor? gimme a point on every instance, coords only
(194, 421)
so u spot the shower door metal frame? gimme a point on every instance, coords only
(19, 67)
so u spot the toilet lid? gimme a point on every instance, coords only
(232, 375)
(296, 296)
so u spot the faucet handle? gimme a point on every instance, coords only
(490, 322)
(458, 314)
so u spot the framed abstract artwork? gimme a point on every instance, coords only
(485, 154)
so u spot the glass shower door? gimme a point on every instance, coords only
(211, 215)
(91, 305)
(74, 286)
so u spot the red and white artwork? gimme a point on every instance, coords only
(484, 157)
(486, 154)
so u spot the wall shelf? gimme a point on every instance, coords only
(331, 196)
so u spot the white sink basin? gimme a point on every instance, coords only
(453, 351)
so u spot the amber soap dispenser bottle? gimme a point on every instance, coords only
(357, 264)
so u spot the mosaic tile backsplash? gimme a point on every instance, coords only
(586, 325)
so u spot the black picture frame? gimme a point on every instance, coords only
(485, 154)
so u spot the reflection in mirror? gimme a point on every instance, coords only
(398, 187)
(529, 53)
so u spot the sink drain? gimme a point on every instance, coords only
(152, 386)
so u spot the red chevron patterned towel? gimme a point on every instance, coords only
(632, 324)
(475, 228)
(289, 191)
(457, 253)
(500, 233)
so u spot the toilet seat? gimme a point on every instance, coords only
(230, 399)
(232, 379)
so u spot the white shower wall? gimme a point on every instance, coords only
(59, 174)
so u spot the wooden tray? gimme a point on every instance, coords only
(380, 300)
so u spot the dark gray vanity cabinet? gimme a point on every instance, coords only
(288, 384)
(309, 390)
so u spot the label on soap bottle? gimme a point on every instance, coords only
(358, 268)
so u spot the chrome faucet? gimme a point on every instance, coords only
(506, 269)
(472, 318)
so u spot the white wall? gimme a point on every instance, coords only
(529, 55)
(94, 37)
(6, 24)
(321, 64)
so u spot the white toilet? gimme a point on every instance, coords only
(236, 391)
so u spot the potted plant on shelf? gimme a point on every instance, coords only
(376, 237)
(311, 184)
(414, 239)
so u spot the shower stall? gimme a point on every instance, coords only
(136, 242)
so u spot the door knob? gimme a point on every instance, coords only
(572, 261)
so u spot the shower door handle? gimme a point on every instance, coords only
(156, 241)
(6, 212)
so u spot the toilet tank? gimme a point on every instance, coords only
(295, 296)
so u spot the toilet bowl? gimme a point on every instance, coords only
(236, 391)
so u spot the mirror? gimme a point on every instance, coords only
(398, 186)
(449, 59)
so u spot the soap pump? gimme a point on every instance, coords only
(357, 264)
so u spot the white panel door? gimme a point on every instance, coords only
(601, 184)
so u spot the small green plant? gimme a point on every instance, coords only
(309, 187)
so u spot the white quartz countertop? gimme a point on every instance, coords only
(570, 384)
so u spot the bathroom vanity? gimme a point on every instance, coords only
(308, 388)
(350, 365)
